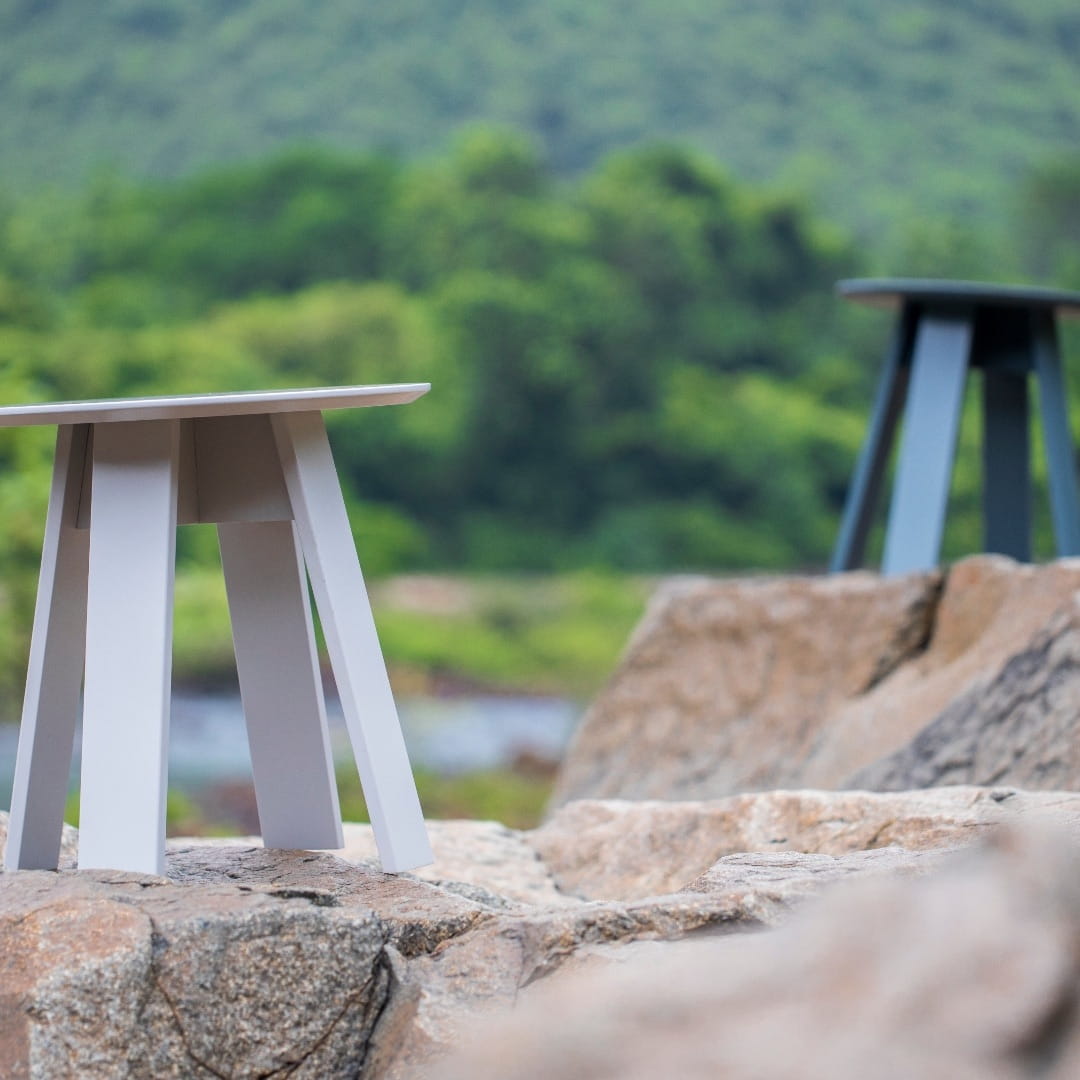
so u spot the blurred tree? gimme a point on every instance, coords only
(731, 280)
(141, 255)
(490, 207)
(1049, 222)
(586, 345)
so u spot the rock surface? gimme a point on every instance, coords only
(483, 853)
(107, 974)
(1019, 726)
(731, 686)
(596, 849)
(969, 973)
(992, 609)
(245, 962)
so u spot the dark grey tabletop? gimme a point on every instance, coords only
(890, 292)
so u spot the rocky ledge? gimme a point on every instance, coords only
(243, 962)
(967, 676)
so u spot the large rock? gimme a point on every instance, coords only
(992, 609)
(731, 686)
(111, 974)
(486, 854)
(969, 973)
(1019, 726)
(598, 849)
(247, 962)
(628, 878)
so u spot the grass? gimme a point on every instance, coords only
(515, 796)
(553, 634)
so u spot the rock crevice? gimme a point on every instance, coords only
(846, 681)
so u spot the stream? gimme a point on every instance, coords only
(208, 742)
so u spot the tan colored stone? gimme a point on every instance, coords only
(968, 973)
(622, 850)
(732, 686)
(129, 975)
(486, 969)
(250, 962)
(1023, 724)
(482, 853)
(246, 961)
(604, 849)
(991, 610)
(496, 861)
(644, 874)
(609, 849)
(725, 684)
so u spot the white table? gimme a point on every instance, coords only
(259, 466)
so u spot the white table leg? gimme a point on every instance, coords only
(54, 676)
(338, 584)
(280, 685)
(129, 646)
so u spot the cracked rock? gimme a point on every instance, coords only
(604, 848)
(735, 686)
(1019, 726)
(969, 972)
(726, 685)
(108, 975)
(246, 962)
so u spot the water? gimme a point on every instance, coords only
(208, 742)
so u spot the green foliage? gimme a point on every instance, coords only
(646, 370)
(884, 113)
(553, 634)
(556, 634)
(202, 641)
(1048, 211)
(503, 795)
(183, 817)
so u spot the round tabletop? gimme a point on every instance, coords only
(891, 292)
(194, 406)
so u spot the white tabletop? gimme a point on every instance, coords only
(189, 406)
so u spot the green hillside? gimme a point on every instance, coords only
(882, 112)
(637, 359)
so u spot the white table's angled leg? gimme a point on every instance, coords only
(129, 646)
(341, 597)
(54, 675)
(280, 685)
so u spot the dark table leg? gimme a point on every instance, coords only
(862, 497)
(1061, 467)
(1006, 463)
(924, 471)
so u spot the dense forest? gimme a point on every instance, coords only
(609, 359)
(623, 296)
(881, 113)
(644, 369)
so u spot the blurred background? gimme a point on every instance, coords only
(607, 233)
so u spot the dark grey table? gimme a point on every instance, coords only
(943, 329)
